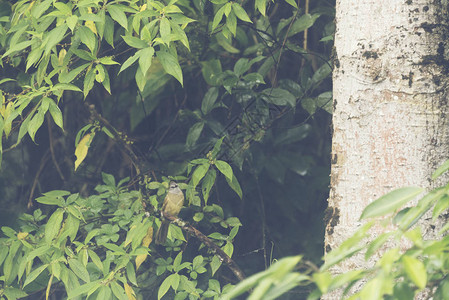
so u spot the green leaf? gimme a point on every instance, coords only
(109, 31)
(131, 273)
(56, 114)
(441, 169)
(209, 100)
(301, 24)
(194, 133)
(72, 21)
(292, 3)
(415, 270)
(79, 269)
(234, 184)
(215, 264)
(17, 47)
(118, 291)
(54, 37)
(218, 17)
(35, 123)
(53, 225)
(95, 259)
(208, 183)
(292, 135)
(33, 275)
(231, 23)
(135, 42)
(279, 96)
(145, 59)
(199, 173)
(130, 61)
(261, 6)
(87, 37)
(171, 65)
(390, 202)
(84, 289)
(118, 15)
(165, 30)
(68, 77)
(165, 285)
(224, 168)
(89, 81)
(240, 12)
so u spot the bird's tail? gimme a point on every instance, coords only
(161, 234)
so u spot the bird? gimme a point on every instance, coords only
(173, 203)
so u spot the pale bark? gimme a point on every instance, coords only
(390, 106)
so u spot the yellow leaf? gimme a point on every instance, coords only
(47, 292)
(61, 56)
(129, 292)
(144, 7)
(91, 26)
(7, 126)
(145, 242)
(82, 149)
(22, 235)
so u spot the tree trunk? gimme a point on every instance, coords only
(390, 104)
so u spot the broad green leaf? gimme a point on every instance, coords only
(209, 100)
(208, 183)
(135, 42)
(53, 225)
(89, 81)
(54, 37)
(109, 31)
(165, 285)
(33, 275)
(79, 269)
(301, 24)
(170, 64)
(165, 30)
(224, 168)
(118, 291)
(130, 61)
(56, 114)
(193, 134)
(415, 270)
(215, 264)
(261, 6)
(292, 3)
(292, 135)
(17, 47)
(234, 184)
(240, 12)
(390, 202)
(279, 96)
(35, 123)
(231, 23)
(145, 59)
(131, 273)
(118, 15)
(87, 37)
(84, 289)
(199, 173)
(441, 169)
(218, 17)
(69, 77)
(71, 22)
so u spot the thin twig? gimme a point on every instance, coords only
(36, 178)
(52, 151)
(122, 142)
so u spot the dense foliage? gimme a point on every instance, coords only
(231, 99)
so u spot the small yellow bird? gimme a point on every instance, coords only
(173, 203)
